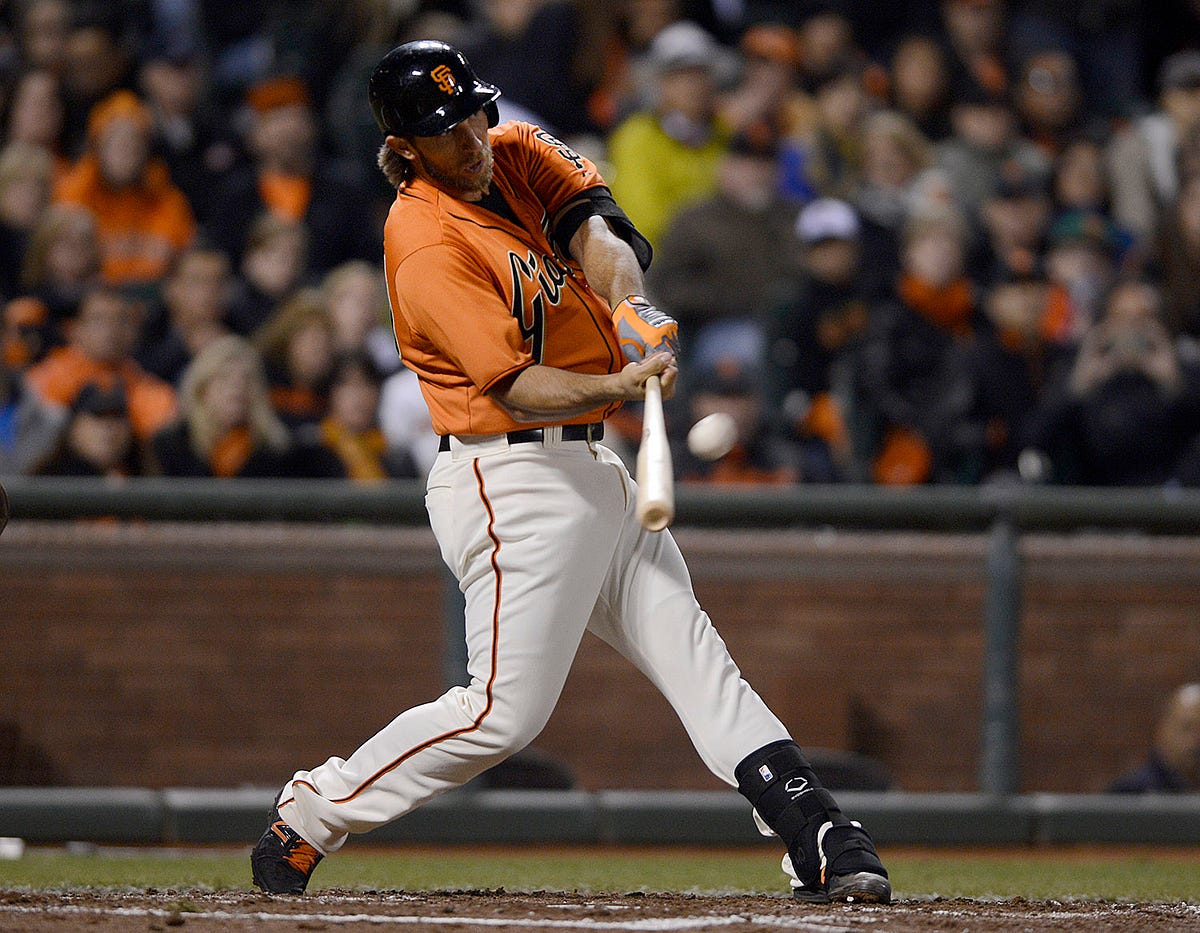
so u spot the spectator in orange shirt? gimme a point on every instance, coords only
(101, 339)
(142, 218)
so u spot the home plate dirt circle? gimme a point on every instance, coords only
(498, 910)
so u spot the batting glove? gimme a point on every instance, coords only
(644, 330)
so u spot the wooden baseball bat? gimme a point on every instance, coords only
(655, 478)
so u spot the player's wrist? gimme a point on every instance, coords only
(632, 300)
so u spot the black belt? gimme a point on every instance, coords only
(570, 432)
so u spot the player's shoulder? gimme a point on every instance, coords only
(414, 222)
(416, 205)
(511, 132)
(422, 218)
(518, 136)
(512, 140)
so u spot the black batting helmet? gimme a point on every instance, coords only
(425, 88)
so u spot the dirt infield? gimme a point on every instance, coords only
(499, 910)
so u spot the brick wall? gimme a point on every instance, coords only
(167, 655)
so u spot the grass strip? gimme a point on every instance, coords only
(1129, 873)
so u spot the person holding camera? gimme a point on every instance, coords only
(1131, 404)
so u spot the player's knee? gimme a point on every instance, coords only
(499, 741)
(512, 727)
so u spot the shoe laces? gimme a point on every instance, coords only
(303, 858)
(296, 851)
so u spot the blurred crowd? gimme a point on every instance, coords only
(923, 241)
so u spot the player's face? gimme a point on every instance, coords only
(458, 161)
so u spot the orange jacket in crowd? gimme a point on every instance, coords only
(140, 228)
(64, 372)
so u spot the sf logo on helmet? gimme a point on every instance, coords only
(444, 78)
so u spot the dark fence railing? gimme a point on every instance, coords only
(928, 508)
(1002, 512)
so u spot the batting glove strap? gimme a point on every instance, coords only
(643, 329)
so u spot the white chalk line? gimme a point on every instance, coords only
(647, 925)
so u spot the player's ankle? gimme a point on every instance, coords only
(788, 797)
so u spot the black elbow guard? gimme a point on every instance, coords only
(598, 202)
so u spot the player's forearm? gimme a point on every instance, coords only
(544, 393)
(540, 393)
(609, 262)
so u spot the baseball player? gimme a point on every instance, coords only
(515, 283)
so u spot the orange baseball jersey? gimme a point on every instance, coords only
(476, 298)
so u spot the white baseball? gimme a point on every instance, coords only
(712, 436)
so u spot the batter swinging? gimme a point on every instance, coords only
(515, 285)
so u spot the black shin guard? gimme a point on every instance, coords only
(785, 791)
(831, 856)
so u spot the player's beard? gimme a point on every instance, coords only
(468, 186)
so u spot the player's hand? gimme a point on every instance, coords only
(643, 329)
(634, 375)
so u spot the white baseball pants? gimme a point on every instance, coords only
(545, 544)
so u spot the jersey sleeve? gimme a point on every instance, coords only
(555, 172)
(446, 300)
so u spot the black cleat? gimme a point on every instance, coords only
(861, 887)
(282, 862)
